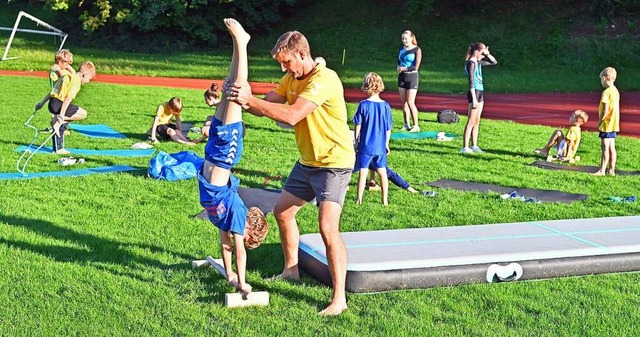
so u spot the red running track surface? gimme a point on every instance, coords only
(551, 109)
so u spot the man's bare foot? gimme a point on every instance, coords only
(598, 173)
(235, 28)
(334, 309)
(286, 276)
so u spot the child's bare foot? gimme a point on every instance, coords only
(611, 172)
(334, 309)
(358, 201)
(411, 189)
(235, 28)
(541, 152)
(598, 173)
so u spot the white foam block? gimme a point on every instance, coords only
(195, 264)
(236, 300)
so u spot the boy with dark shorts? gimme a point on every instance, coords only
(609, 121)
(64, 91)
(237, 226)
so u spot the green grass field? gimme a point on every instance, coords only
(110, 254)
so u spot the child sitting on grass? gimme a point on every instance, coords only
(162, 123)
(373, 123)
(237, 226)
(566, 144)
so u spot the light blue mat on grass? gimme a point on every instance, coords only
(420, 135)
(69, 173)
(87, 152)
(96, 130)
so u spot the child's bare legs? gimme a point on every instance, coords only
(473, 123)
(384, 183)
(605, 145)
(362, 181)
(178, 137)
(556, 137)
(613, 157)
(230, 112)
(58, 120)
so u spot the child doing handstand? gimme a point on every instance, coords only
(162, 123)
(566, 144)
(238, 227)
(373, 123)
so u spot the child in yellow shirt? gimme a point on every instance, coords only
(609, 122)
(566, 144)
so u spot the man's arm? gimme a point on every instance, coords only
(272, 105)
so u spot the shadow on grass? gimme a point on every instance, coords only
(105, 254)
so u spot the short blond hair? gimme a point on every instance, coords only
(256, 229)
(64, 55)
(372, 84)
(175, 104)
(291, 42)
(609, 73)
(87, 67)
(582, 115)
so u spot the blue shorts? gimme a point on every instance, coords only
(605, 135)
(225, 146)
(223, 205)
(365, 161)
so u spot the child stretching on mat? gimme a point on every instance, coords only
(238, 227)
(162, 123)
(609, 122)
(393, 177)
(372, 132)
(61, 66)
(566, 144)
(64, 91)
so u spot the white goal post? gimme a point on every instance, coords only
(54, 31)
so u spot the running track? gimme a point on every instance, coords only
(546, 109)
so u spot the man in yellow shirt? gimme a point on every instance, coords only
(317, 111)
(64, 91)
(609, 122)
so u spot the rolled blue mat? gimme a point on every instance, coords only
(87, 152)
(69, 173)
(96, 130)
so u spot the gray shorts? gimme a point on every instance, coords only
(323, 184)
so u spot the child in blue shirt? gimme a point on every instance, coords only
(373, 123)
(237, 226)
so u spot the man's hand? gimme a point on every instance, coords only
(240, 94)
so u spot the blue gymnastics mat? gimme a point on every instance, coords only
(87, 152)
(445, 256)
(96, 130)
(69, 173)
(420, 135)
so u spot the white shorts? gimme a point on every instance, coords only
(560, 148)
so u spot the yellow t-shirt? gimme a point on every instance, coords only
(53, 74)
(609, 120)
(66, 86)
(573, 134)
(164, 114)
(323, 137)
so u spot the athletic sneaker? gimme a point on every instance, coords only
(476, 149)
(466, 150)
(415, 129)
(405, 128)
(62, 151)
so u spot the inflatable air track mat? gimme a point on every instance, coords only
(446, 256)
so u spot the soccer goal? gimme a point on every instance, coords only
(52, 31)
